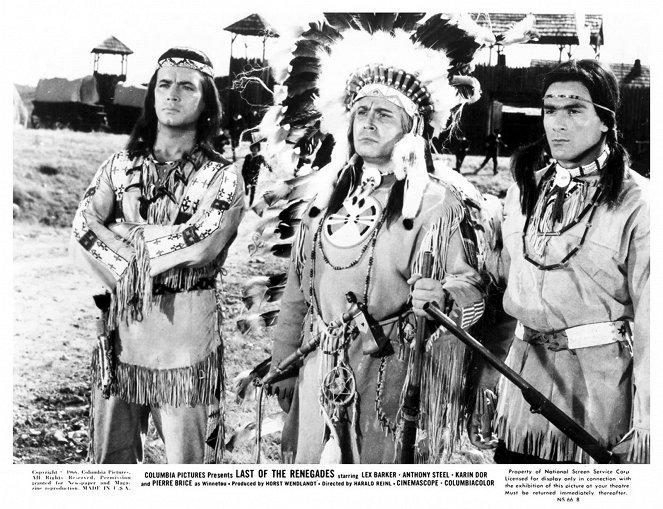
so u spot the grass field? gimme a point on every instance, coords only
(54, 313)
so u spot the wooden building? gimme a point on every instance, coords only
(511, 96)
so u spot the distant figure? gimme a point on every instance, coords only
(221, 141)
(493, 144)
(460, 148)
(251, 170)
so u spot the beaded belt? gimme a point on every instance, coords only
(582, 336)
(204, 283)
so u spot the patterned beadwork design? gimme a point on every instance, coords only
(405, 83)
(188, 63)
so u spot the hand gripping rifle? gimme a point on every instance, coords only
(539, 403)
(412, 400)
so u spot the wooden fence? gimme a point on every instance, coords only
(521, 87)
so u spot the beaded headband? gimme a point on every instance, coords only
(577, 98)
(395, 85)
(188, 63)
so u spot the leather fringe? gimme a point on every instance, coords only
(442, 396)
(132, 296)
(184, 278)
(639, 451)
(443, 371)
(542, 445)
(437, 240)
(553, 445)
(215, 443)
(481, 397)
(186, 386)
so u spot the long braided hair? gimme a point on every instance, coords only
(604, 90)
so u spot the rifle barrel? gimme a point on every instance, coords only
(291, 360)
(538, 402)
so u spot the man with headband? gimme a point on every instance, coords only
(154, 227)
(576, 236)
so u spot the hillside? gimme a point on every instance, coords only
(52, 168)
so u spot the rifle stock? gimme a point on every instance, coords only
(538, 402)
(105, 345)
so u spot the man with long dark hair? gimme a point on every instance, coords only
(576, 233)
(155, 226)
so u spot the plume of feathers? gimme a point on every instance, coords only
(271, 424)
(257, 321)
(520, 32)
(306, 129)
(243, 383)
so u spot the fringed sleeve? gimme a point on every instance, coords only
(288, 333)
(443, 375)
(292, 316)
(105, 253)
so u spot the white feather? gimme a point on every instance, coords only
(358, 49)
(410, 163)
(521, 32)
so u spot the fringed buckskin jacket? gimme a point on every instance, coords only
(359, 414)
(600, 379)
(157, 235)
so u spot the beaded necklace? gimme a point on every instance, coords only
(544, 188)
(317, 244)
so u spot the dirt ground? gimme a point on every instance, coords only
(54, 336)
(54, 319)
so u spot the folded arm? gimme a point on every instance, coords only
(199, 240)
(103, 251)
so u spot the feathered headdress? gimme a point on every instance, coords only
(421, 63)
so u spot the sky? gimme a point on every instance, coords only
(53, 39)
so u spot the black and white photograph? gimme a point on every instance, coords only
(272, 252)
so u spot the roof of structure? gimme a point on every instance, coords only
(634, 74)
(557, 29)
(254, 24)
(112, 46)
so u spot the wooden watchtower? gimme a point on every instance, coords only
(112, 46)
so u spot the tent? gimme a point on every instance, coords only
(60, 90)
(20, 111)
